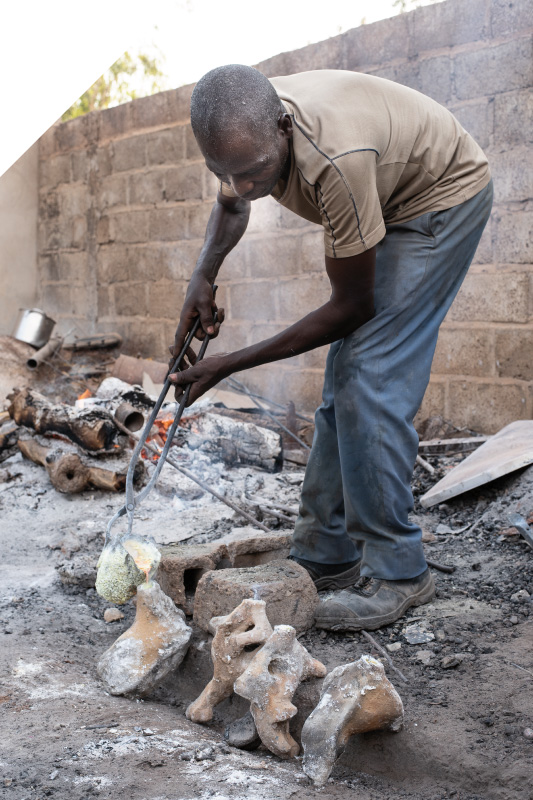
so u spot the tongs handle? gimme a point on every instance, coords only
(131, 500)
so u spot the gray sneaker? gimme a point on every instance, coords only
(338, 580)
(371, 603)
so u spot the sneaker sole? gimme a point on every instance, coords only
(424, 595)
(340, 581)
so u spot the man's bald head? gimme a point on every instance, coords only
(234, 99)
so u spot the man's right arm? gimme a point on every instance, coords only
(225, 228)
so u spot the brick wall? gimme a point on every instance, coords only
(125, 197)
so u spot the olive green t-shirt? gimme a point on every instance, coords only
(367, 152)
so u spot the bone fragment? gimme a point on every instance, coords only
(269, 684)
(355, 698)
(155, 645)
(247, 626)
(118, 576)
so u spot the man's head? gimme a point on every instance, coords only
(241, 129)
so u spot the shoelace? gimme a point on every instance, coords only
(363, 584)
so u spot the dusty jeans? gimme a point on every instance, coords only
(356, 496)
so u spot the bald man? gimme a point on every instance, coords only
(402, 193)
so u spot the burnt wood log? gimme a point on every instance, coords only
(93, 429)
(233, 441)
(71, 472)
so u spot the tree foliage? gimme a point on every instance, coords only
(408, 5)
(129, 77)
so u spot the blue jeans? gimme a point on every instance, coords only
(356, 496)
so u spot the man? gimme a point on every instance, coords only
(403, 194)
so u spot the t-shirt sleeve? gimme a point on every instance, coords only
(349, 204)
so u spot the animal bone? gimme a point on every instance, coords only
(355, 698)
(118, 576)
(155, 644)
(247, 625)
(270, 682)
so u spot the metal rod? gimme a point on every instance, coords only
(241, 387)
(287, 509)
(276, 514)
(440, 567)
(423, 463)
(384, 653)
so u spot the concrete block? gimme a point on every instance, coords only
(130, 299)
(105, 306)
(513, 177)
(271, 256)
(435, 78)
(315, 359)
(155, 109)
(236, 262)
(73, 200)
(478, 119)
(128, 153)
(513, 238)
(179, 101)
(185, 183)
(179, 259)
(490, 70)
(510, 16)
(48, 144)
(130, 226)
(80, 164)
(166, 146)
(319, 55)
(265, 215)
(492, 298)
(514, 347)
(165, 299)
(484, 251)
(254, 301)
(289, 220)
(485, 406)
(312, 251)
(406, 73)
(115, 121)
(464, 351)
(448, 24)
(146, 187)
(192, 151)
(70, 267)
(56, 298)
(182, 566)
(104, 161)
(112, 264)
(513, 118)
(143, 337)
(154, 261)
(112, 191)
(378, 43)
(198, 219)
(300, 296)
(433, 402)
(246, 547)
(77, 133)
(168, 224)
(54, 170)
(286, 588)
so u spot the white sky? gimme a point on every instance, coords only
(52, 51)
(195, 36)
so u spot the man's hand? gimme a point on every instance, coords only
(203, 376)
(199, 302)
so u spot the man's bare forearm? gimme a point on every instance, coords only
(226, 226)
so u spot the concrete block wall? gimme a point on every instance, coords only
(125, 197)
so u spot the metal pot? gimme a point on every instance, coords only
(33, 327)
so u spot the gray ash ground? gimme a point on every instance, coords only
(468, 695)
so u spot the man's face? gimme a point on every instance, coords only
(252, 168)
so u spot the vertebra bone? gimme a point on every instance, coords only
(355, 698)
(247, 625)
(269, 684)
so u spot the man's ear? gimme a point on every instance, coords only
(285, 125)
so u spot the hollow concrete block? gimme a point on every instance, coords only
(247, 547)
(355, 698)
(237, 637)
(183, 565)
(286, 587)
(269, 683)
(155, 645)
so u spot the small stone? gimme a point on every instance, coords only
(528, 733)
(450, 662)
(206, 754)
(242, 733)
(513, 620)
(522, 596)
(148, 732)
(53, 775)
(393, 647)
(187, 756)
(416, 633)
(424, 656)
(113, 615)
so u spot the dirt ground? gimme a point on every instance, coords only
(468, 696)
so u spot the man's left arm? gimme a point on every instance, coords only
(351, 305)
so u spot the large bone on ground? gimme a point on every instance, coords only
(155, 645)
(237, 637)
(269, 684)
(355, 698)
(236, 442)
(72, 471)
(93, 429)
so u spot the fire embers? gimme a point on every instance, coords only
(355, 698)
(155, 645)
(232, 651)
(269, 684)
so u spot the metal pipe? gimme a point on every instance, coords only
(48, 351)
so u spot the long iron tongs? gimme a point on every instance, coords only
(133, 501)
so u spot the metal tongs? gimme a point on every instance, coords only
(132, 501)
